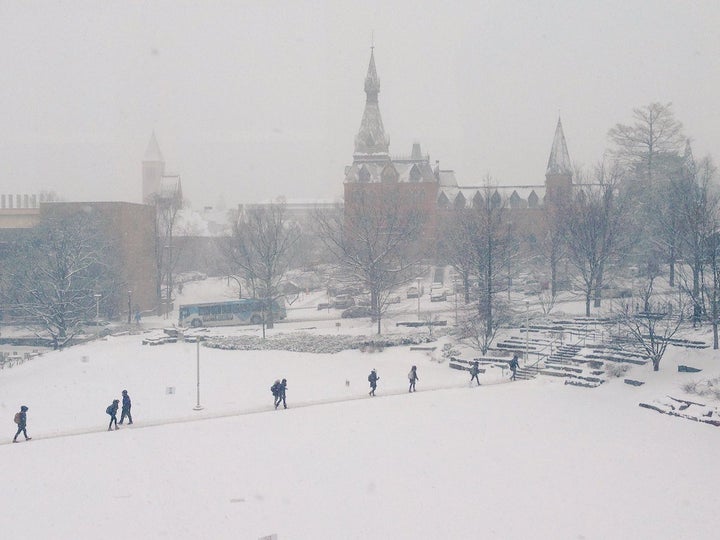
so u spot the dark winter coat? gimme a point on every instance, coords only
(275, 389)
(373, 378)
(126, 402)
(112, 409)
(281, 389)
(514, 364)
(413, 376)
(474, 370)
(23, 420)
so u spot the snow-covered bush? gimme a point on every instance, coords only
(311, 343)
(616, 370)
(708, 388)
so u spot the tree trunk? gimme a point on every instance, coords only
(656, 364)
(598, 287)
(587, 304)
(715, 334)
(671, 279)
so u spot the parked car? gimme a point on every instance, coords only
(394, 299)
(412, 292)
(343, 301)
(324, 305)
(356, 312)
(438, 295)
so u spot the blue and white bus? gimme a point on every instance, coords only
(244, 311)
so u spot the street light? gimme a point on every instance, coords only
(455, 291)
(97, 314)
(167, 254)
(527, 331)
(129, 306)
(198, 407)
(418, 293)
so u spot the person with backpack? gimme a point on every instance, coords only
(21, 421)
(373, 379)
(112, 411)
(413, 377)
(275, 389)
(281, 394)
(474, 370)
(513, 366)
(126, 404)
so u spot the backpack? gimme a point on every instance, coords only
(17, 418)
(274, 389)
(109, 410)
(370, 379)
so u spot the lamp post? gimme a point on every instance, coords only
(527, 331)
(167, 278)
(455, 290)
(198, 407)
(418, 293)
(129, 307)
(97, 314)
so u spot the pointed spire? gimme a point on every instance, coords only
(152, 153)
(371, 141)
(559, 161)
(372, 82)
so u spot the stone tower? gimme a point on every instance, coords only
(153, 169)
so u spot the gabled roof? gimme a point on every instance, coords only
(559, 161)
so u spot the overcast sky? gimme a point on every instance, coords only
(255, 99)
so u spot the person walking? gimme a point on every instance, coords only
(413, 377)
(275, 389)
(281, 394)
(126, 404)
(474, 370)
(373, 379)
(513, 366)
(112, 411)
(21, 421)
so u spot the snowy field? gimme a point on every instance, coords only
(528, 459)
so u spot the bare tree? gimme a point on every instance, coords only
(167, 209)
(484, 238)
(652, 330)
(596, 229)
(58, 270)
(641, 145)
(378, 240)
(262, 249)
(700, 214)
(455, 247)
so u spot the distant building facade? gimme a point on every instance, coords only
(375, 170)
(128, 227)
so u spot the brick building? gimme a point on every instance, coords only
(128, 227)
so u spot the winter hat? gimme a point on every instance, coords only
(116, 401)
(284, 380)
(23, 408)
(124, 392)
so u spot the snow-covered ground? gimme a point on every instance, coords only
(528, 459)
